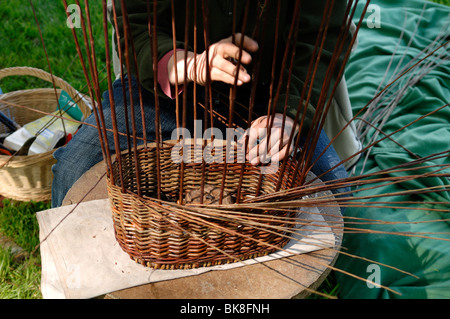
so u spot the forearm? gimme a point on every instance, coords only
(218, 61)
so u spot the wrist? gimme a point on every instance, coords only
(176, 66)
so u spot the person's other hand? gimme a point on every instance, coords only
(222, 62)
(260, 149)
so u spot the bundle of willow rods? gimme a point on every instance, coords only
(146, 188)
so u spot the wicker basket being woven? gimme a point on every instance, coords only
(163, 234)
(26, 178)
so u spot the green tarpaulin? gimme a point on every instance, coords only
(404, 30)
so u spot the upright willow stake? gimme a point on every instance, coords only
(129, 41)
(152, 29)
(257, 32)
(339, 76)
(208, 98)
(319, 118)
(111, 97)
(232, 98)
(273, 102)
(122, 76)
(92, 91)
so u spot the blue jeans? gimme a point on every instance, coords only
(84, 150)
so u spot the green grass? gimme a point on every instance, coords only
(444, 2)
(18, 222)
(21, 43)
(20, 280)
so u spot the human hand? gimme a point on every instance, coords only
(260, 150)
(221, 67)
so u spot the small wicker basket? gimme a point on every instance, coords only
(26, 178)
(162, 234)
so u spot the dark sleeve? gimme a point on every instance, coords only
(138, 13)
(310, 22)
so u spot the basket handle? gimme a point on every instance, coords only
(29, 71)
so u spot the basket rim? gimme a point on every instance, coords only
(55, 80)
(18, 161)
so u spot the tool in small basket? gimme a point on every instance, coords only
(4, 150)
(9, 123)
(25, 147)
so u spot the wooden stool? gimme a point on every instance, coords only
(285, 278)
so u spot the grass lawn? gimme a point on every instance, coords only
(21, 45)
(20, 279)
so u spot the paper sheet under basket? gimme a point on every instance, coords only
(82, 259)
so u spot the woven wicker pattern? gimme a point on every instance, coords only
(30, 177)
(166, 235)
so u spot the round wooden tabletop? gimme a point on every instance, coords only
(296, 276)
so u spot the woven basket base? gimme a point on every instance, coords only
(162, 234)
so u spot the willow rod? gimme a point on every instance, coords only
(310, 74)
(256, 33)
(152, 29)
(273, 103)
(233, 95)
(201, 221)
(318, 121)
(90, 49)
(374, 98)
(128, 41)
(48, 61)
(111, 96)
(339, 76)
(122, 77)
(89, 84)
